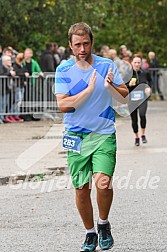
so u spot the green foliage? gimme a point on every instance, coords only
(141, 25)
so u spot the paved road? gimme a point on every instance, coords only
(41, 215)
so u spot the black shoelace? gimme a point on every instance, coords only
(89, 238)
(105, 231)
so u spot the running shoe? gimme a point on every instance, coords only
(106, 240)
(143, 138)
(137, 141)
(90, 243)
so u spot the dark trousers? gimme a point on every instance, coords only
(155, 84)
(141, 110)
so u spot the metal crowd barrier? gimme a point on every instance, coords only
(34, 95)
(159, 82)
(24, 96)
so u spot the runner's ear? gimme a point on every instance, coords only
(92, 41)
(69, 43)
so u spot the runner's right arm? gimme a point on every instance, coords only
(67, 103)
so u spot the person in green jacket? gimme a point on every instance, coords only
(33, 88)
(31, 65)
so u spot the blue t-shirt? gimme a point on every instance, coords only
(95, 114)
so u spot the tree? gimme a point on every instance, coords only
(141, 25)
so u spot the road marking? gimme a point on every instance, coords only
(146, 150)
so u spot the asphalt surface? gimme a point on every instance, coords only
(38, 213)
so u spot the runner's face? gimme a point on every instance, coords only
(136, 63)
(81, 47)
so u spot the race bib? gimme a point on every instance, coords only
(137, 95)
(72, 143)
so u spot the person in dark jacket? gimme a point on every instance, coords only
(21, 81)
(139, 92)
(154, 66)
(6, 87)
(48, 65)
(47, 62)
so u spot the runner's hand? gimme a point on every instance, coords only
(109, 78)
(92, 81)
(148, 91)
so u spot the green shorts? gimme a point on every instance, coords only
(98, 155)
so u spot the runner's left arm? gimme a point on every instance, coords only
(120, 93)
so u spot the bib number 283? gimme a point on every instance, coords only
(72, 143)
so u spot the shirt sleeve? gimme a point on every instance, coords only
(117, 81)
(37, 67)
(61, 82)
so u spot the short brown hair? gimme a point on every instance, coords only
(80, 29)
(19, 58)
(137, 55)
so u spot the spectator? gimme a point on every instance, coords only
(56, 55)
(21, 82)
(67, 55)
(124, 66)
(6, 51)
(6, 86)
(112, 53)
(127, 59)
(47, 61)
(48, 65)
(33, 85)
(124, 52)
(154, 65)
(31, 64)
(104, 51)
(14, 53)
(61, 51)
